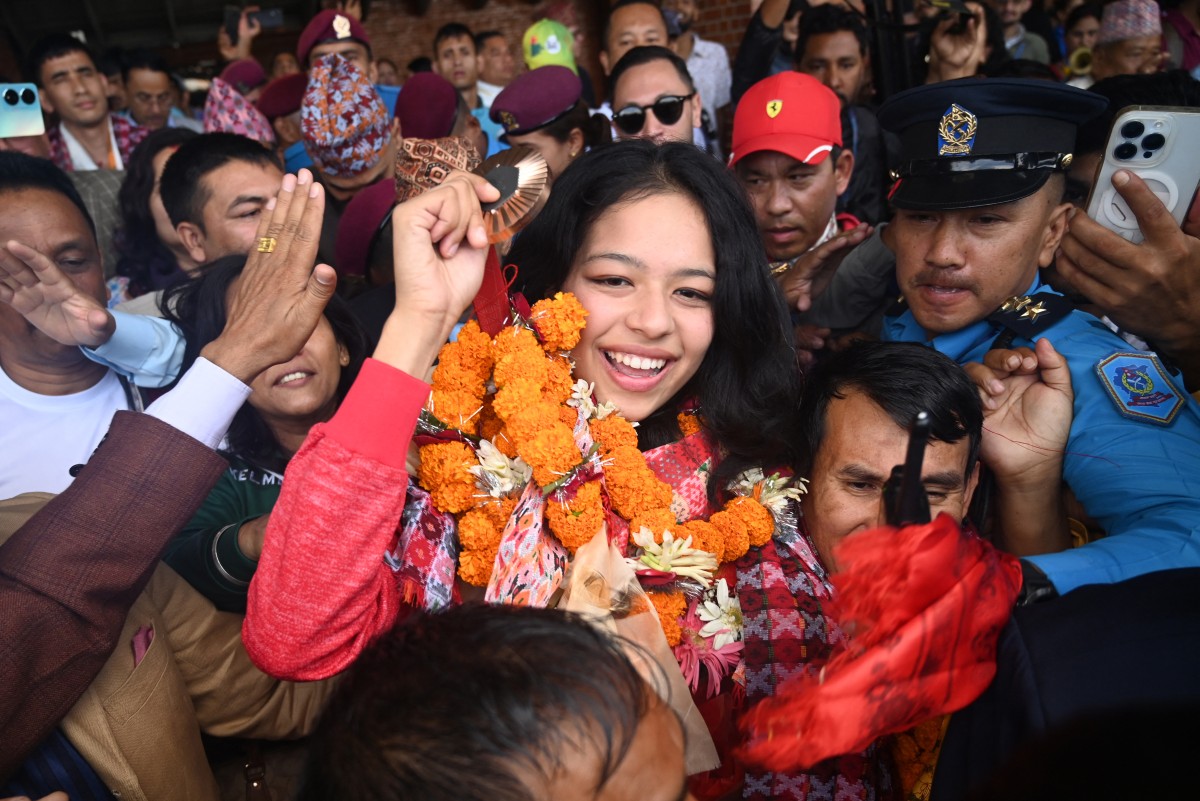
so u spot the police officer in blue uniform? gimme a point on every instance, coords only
(979, 210)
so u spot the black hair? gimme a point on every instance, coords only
(50, 47)
(596, 128)
(451, 30)
(622, 4)
(747, 381)
(1082, 12)
(463, 705)
(830, 18)
(1023, 68)
(143, 59)
(19, 171)
(481, 38)
(198, 308)
(182, 185)
(903, 379)
(141, 255)
(420, 64)
(1172, 88)
(647, 54)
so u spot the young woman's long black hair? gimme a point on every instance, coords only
(748, 382)
(198, 307)
(141, 256)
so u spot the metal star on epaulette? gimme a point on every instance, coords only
(1033, 311)
(1016, 303)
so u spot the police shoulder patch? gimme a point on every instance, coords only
(1140, 387)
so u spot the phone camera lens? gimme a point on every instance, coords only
(10, 97)
(1154, 141)
(1132, 129)
(28, 97)
(1125, 151)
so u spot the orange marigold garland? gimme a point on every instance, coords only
(511, 401)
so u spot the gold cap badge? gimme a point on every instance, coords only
(773, 108)
(956, 132)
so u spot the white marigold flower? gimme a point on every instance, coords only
(496, 474)
(721, 614)
(674, 556)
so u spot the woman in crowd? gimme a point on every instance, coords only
(149, 252)
(660, 247)
(542, 109)
(218, 550)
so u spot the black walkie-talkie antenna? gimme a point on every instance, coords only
(904, 492)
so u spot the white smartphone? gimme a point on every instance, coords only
(1160, 144)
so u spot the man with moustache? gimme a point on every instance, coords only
(979, 209)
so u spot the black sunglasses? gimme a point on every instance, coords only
(668, 109)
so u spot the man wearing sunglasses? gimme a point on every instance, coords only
(653, 96)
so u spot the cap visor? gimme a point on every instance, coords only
(967, 190)
(807, 149)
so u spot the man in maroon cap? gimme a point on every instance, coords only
(334, 32)
(349, 134)
(280, 104)
(430, 108)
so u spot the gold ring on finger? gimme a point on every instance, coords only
(266, 244)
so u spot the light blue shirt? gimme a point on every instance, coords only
(1139, 479)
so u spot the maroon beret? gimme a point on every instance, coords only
(426, 106)
(283, 96)
(535, 99)
(359, 225)
(244, 75)
(330, 25)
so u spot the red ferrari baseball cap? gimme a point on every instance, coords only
(790, 113)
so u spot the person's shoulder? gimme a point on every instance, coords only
(709, 49)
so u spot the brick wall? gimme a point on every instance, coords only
(401, 35)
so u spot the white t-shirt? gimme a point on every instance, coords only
(43, 436)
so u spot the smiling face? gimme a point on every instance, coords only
(72, 88)
(957, 267)
(649, 302)
(860, 447)
(792, 201)
(303, 390)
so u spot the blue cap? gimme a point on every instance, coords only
(979, 142)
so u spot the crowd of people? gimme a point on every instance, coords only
(796, 435)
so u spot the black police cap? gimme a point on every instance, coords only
(979, 142)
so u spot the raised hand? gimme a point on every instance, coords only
(1027, 413)
(439, 247)
(811, 273)
(279, 297)
(956, 52)
(45, 296)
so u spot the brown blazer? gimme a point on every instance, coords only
(139, 725)
(69, 576)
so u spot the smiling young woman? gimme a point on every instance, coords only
(686, 335)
